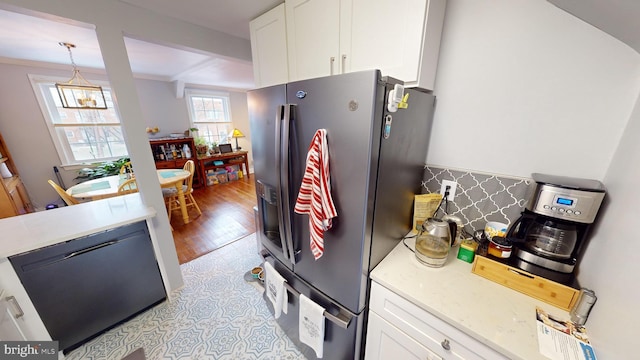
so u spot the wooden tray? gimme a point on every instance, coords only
(559, 295)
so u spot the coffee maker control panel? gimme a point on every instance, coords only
(567, 204)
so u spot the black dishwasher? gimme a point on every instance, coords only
(85, 286)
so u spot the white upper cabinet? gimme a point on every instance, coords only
(313, 35)
(399, 37)
(269, 47)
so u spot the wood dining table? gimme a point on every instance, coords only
(107, 187)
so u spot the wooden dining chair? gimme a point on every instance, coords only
(128, 187)
(171, 194)
(126, 168)
(68, 199)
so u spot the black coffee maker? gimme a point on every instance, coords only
(549, 235)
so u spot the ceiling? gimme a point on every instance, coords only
(24, 37)
(619, 18)
(33, 39)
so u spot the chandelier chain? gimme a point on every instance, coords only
(69, 46)
(71, 57)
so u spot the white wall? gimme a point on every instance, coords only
(611, 263)
(161, 108)
(524, 87)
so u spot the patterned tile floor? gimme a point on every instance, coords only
(217, 315)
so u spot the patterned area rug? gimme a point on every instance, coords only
(217, 315)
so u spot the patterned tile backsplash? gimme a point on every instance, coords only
(480, 197)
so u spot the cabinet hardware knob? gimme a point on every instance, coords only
(445, 344)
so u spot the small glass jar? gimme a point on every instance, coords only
(499, 247)
(482, 241)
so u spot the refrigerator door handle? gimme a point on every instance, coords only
(283, 122)
(283, 174)
(342, 319)
(281, 211)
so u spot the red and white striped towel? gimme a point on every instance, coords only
(314, 197)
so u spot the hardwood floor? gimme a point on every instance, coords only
(227, 215)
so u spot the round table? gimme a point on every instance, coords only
(106, 187)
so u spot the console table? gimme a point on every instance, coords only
(206, 162)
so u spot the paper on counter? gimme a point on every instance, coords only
(424, 207)
(562, 340)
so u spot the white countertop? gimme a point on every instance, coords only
(501, 318)
(36, 230)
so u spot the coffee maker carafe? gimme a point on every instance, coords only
(551, 238)
(549, 235)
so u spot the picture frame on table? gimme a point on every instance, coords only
(225, 148)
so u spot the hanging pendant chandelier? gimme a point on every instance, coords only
(78, 93)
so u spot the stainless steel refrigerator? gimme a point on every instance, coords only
(376, 166)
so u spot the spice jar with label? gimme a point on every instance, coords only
(499, 247)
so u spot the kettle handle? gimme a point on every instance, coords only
(454, 223)
(453, 228)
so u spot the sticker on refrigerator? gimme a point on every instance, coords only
(387, 126)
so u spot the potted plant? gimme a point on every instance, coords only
(101, 169)
(214, 148)
(201, 146)
(191, 131)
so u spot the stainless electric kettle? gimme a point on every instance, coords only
(433, 242)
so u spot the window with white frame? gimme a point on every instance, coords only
(80, 136)
(210, 114)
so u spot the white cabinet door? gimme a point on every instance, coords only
(385, 341)
(388, 35)
(29, 325)
(313, 38)
(269, 48)
(399, 37)
(9, 328)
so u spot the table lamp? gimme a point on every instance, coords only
(237, 134)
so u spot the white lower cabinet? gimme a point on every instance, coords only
(10, 312)
(385, 341)
(19, 318)
(401, 330)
